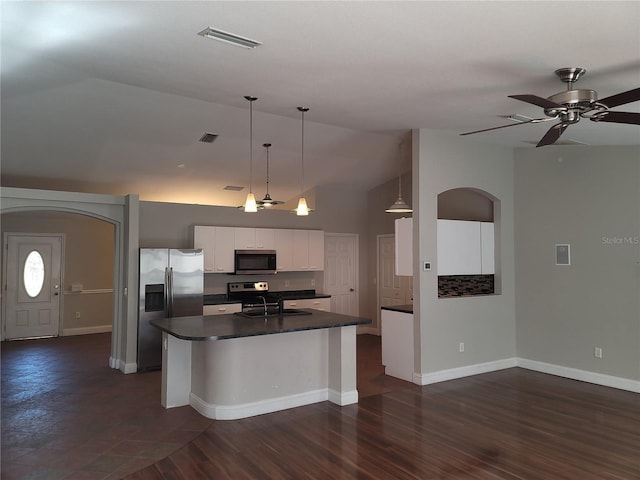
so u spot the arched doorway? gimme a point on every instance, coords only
(122, 213)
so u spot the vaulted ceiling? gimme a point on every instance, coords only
(112, 97)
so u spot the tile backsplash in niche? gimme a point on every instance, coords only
(465, 285)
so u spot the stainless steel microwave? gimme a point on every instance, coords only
(255, 262)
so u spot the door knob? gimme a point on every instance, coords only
(351, 289)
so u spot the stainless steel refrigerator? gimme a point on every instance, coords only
(171, 285)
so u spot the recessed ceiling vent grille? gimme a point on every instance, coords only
(208, 137)
(227, 37)
(233, 188)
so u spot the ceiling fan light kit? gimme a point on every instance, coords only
(569, 106)
(267, 201)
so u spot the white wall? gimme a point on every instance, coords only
(588, 197)
(486, 324)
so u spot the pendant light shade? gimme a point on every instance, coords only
(250, 204)
(267, 201)
(399, 206)
(302, 208)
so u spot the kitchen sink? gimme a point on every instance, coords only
(286, 312)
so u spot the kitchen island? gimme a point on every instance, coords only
(230, 366)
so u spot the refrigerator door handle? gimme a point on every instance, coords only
(170, 284)
(167, 289)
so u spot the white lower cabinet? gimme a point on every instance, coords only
(317, 303)
(221, 308)
(397, 344)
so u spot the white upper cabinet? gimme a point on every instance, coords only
(245, 238)
(205, 238)
(308, 250)
(217, 244)
(296, 250)
(316, 250)
(284, 249)
(487, 244)
(465, 247)
(265, 239)
(404, 246)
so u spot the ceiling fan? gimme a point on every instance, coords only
(569, 106)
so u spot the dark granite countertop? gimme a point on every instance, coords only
(399, 308)
(221, 298)
(220, 327)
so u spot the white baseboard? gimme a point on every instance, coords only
(582, 375)
(558, 370)
(234, 412)
(466, 371)
(123, 367)
(66, 332)
(343, 398)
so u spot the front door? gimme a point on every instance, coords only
(33, 276)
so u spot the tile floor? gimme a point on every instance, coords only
(67, 415)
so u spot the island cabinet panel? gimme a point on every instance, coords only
(217, 244)
(323, 304)
(284, 249)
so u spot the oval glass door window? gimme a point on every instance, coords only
(33, 274)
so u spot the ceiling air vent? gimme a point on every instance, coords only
(208, 137)
(233, 188)
(229, 38)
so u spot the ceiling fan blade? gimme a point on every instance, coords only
(533, 120)
(621, 98)
(553, 134)
(539, 101)
(618, 117)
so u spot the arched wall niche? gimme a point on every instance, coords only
(466, 204)
(475, 205)
(120, 211)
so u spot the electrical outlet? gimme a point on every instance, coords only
(77, 314)
(598, 352)
(461, 347)
(313, 282)
(286, 283)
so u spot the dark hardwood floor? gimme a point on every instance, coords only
(511, 424)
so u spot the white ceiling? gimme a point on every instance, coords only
(111, 97)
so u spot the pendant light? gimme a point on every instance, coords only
(302, 209)
(267, 201)
(399, 206)
(250, 204)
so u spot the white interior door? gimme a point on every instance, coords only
(341, 272)
(33, 277)
(389, 288)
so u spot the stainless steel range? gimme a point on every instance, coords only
(257, 301)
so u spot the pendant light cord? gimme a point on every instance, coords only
(303, 110)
